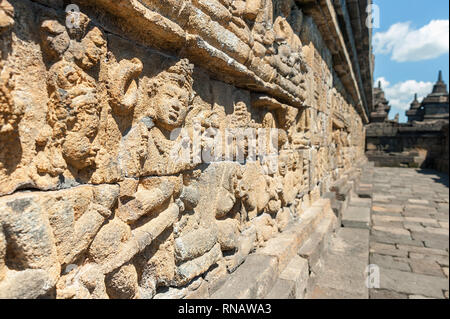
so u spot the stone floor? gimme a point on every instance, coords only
(400, 226)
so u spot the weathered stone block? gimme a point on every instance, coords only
(254, 279)
(356, 217)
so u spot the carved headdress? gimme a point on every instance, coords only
(180, 72)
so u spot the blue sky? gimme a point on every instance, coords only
(410, 46)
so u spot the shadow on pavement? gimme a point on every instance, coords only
(440, 177)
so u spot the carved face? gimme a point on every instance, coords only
(285, 163)
(270, 164)
(171, 105)
(296, 161)
(74, 106)
(79, 150)
(282, 165)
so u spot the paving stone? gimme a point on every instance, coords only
(391, 233)
(445, 271)
(440, 244)
(418, 209)
(417, 227)
(388, 224)
(380, 198)
(422, 220)
(387, 249)
(399, 201)
(423, 250)
(430, 234)
(388, 208)
(388, 219)
(444, 208)
(361, 202)
(386, 294)
(425, 214)
(441, 260)
(436, 231)
(411, 283)
(390, 262)
(382, 238)
(350, 242)
(345, 273)
(441, 217)
(419, 201)
(426, 267)
(356, 217)
(383, 213)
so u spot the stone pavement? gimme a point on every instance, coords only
(399, 222)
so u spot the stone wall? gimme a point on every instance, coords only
(93, 201)
(419, 145)
(442, 162)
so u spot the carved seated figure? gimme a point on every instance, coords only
(253, 190)
(73, 113)
(290, 181)
(9, 115)
(73, 107)
(170, 98)
(275, 183)
(301, 135)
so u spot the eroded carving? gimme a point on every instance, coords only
(123, 115)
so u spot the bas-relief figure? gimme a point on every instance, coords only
(168, 102)
(74, 102)
(11, 112)
(109, 121)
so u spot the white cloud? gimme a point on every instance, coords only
(401, 94)
(406, 44)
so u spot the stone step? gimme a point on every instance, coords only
(314, 248)
(343, 272)
(360, 202)
(252, 280)
(263, 270)
(292, 282)
(356, 217)
(295, 279)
